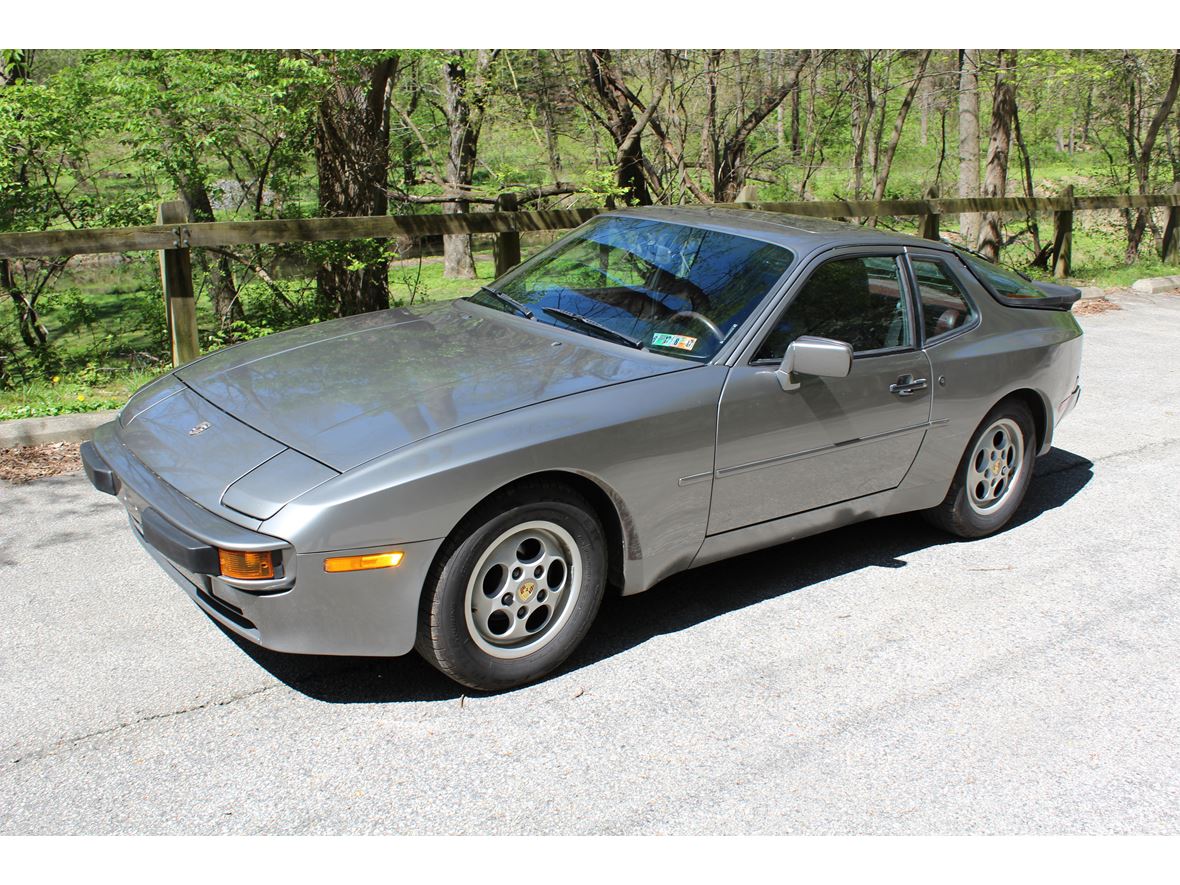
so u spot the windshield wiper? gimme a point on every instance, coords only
(511, 302)
(594, 324)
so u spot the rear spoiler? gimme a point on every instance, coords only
(1057, 297)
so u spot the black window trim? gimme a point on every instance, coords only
(838, 254)
(944, 262)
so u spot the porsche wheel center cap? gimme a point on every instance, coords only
(526, 591)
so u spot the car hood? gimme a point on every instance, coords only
(347, 391)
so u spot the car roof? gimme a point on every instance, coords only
(799, 233)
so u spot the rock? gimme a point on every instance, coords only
(228, 194)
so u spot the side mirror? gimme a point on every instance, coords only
(808, 355)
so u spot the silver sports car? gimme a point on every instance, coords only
(659, 389)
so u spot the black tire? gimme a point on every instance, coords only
(464, 648)
(960, 512)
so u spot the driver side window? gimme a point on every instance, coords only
(857, 300)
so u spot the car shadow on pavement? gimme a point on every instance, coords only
(679, 602)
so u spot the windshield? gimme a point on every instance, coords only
(671, 288)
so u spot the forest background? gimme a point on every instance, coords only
(99, 138)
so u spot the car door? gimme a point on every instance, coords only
(781, 452)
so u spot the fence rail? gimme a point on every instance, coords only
(175, 235)
(86, 241)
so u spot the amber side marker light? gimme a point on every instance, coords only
(363, 563)
(246, 566)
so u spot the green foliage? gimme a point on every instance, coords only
(99, 138)
(49, 409)
(89, 390)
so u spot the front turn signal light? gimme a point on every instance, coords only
(363, 563)
(247, 566)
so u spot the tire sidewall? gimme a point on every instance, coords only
(461, 657)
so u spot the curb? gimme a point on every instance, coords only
(59, 428)
(1155, 285)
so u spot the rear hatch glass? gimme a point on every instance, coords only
(1013, 290)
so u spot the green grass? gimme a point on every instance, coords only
(413, 281)
(1107, 277)
(66, 394)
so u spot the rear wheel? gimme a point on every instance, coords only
(515, 589)
(993, 475)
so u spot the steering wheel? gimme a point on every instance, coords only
(703, 320)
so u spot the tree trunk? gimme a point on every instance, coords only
(352, 164)
(609, 90)
(32, 332)
(1089, 112)
(1142, 159)
(941, 148)
(458, 262)
(219, 272)
(924, 121)
(709, 139)
(895, 136)
(883, 91)
(996, 179)
(862, 116)
(796, 143)
(28, 322)
(969, 139)
(729, 163)
(1040, 255)
(464, 106)
(730, 169)
(548, 119)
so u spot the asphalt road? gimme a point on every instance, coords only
(878, 679)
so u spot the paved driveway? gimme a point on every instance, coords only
(881, 678)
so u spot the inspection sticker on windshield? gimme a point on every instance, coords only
(680, 342)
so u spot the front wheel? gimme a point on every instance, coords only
(515, 589)
(992, 476)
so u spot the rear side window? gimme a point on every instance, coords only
(856, 300)
(945, 309)
(1003, 282)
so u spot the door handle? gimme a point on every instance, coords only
(908, 385)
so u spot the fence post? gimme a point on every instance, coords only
(176, 277)
(507, 246)
(928, 221)
(1170, 251)
(1063, 236)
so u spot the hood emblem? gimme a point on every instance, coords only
(200, 428)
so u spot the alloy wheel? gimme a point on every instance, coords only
(523, 589)
(995, 466)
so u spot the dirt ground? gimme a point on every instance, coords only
(1098, 305)
(25, 463)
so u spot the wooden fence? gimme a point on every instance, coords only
(175, 235)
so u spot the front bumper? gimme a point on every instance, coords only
(304, 609)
